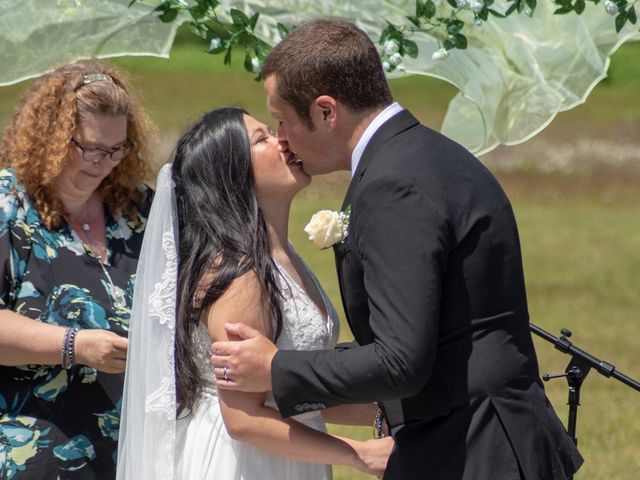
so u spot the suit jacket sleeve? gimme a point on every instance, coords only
(401, 239)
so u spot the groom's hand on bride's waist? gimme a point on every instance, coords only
(244, 364)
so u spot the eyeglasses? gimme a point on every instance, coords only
(97, 155)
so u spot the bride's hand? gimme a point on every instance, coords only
(373, 455)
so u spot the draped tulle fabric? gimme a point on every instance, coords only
(516, 75)
(37, 36)
(146, 444)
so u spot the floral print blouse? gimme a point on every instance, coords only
(57, 423)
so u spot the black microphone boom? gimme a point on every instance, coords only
(576, 372)
(565, 346)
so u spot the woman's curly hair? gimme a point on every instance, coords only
(37, 139)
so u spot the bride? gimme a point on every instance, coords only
(220, 219)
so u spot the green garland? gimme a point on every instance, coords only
(445, 23)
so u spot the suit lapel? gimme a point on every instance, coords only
(392, 127)
(395, 125)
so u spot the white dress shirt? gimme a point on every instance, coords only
(373, 127)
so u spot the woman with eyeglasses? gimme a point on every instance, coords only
(73, 210)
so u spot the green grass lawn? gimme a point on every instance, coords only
(580, 233)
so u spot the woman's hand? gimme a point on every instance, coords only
(373, 455)
(101, 349)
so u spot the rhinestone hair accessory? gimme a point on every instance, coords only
(96, 77)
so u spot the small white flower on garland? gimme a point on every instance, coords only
(256, 65)
(440, 54)
(611, 8)
(328, 227)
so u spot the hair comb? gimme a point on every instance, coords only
(96, 77)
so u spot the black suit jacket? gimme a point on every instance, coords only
(432, 284)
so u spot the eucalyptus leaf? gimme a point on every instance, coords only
(460, 41)
(253, 21)
(411, 48)
(621, 19)
(282, 30)
(511, 9)
(579, 6)
(430, 9)
(384, 35)
(239, 18)
(414, 20)
(199, 11)
(247, 63)
(167, 13)
(455, 26)
(218, 50)
(631, 13)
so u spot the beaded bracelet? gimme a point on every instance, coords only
(378, 422)
(68, 347)
(63, 352)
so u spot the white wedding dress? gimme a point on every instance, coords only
(152, 443)
(204, 449)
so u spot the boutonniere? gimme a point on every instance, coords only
(328, 227)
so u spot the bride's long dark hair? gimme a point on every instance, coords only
(222, 233)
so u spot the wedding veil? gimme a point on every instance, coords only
(147, 426)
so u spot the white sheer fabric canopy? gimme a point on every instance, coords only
(514, 77)
(36, 36)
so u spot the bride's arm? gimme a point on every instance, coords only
(361, 414)
(247, 418)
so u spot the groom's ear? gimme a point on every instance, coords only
(324, 111)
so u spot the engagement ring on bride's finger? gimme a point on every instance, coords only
(224, 371)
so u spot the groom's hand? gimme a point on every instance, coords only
(243, 365)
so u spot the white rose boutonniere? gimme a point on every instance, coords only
(328, 227)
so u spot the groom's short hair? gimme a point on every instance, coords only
(328, 57)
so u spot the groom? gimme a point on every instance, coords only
(430, 275)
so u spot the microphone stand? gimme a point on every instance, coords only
(579, 366)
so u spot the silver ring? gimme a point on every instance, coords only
(225, 370)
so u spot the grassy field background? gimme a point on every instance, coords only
(576, 194)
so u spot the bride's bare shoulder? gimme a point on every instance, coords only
(242, 302)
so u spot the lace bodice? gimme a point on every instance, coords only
(304, 327)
